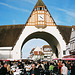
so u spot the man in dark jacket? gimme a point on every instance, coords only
(46, 65)
(3, 70)
(69, 67)
(34, 71)
(72, 69)
(19, 65)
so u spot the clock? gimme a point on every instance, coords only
(40, 17)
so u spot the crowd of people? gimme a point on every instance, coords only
(38, 68)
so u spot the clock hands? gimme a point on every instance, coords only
(41, 17)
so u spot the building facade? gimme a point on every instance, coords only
(48, 52)
(72, 43)
(37, 53)
(44, 53)
(70, 48)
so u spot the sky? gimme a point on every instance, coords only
(17, 12)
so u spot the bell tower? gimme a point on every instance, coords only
(40, 16)
(40, 8)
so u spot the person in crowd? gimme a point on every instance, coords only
(72, 68)
(25, 71)
(19, 65)
(51, 68)
(59, 66)
(8, 70)
(69, 67)
(27, 66)
(46, 65)
(40, 66)
(35, 63)
(0, 65)
(34, 71)
(11, 63)
(13, 67)
(55, 69)
(3, 70)
(64, 69)
(22, 64)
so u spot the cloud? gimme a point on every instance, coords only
(58, 21)
(30, 1)
(68, 12)
(20, 9)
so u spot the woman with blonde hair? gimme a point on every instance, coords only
(8, 69)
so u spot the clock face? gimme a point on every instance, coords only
(40, 17)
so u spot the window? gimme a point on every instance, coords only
(64, 52)
(40, 8)
(74, 45)
(45, 56)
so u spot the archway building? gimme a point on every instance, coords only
(40, 24)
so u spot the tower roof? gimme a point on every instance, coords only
(40, 3)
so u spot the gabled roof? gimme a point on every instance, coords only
(46, 46)
(73, 27)
(40, 3)
(9, 34)
(37, 49)
(32, 50)
(65, 31)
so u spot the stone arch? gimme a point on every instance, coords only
(49, 38)
(49, 32)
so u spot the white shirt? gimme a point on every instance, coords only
(28, 67)
(64, 70)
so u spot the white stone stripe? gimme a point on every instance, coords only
(5, 48)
